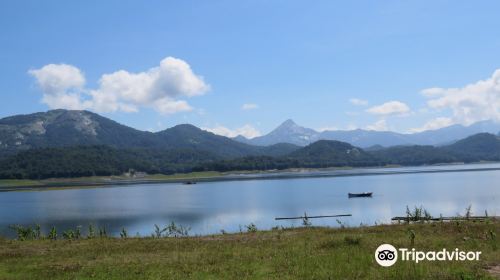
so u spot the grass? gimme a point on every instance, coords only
(300, 253)
(79, 182)
(18, 183)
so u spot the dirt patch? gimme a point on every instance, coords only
(494, 271)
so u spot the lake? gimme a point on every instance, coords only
(209, 207)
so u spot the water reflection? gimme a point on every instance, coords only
(209, 207)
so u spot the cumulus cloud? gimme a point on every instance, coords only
(471, 103)
(160, 88)
(434, 124)
(61, 85)
(247, 130)
(358, 102)
(249, 106)
(380, 125)
(390, 108)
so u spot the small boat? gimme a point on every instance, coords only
(189, 183)
(364, 194)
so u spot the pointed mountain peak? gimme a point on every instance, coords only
(288, 123)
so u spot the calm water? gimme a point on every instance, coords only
(209, 207)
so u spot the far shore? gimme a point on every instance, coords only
(214, 176)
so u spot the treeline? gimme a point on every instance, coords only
(82, 161)
(85, 161)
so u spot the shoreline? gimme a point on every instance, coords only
(94, 182)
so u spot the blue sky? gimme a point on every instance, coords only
(410, 65)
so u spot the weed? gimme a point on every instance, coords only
(251, 227)
(305, 221)
(123, 233)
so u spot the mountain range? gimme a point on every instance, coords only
(62, 143)
(63, 128)
(290, 132)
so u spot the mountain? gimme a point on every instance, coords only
(65, 128)
(482, 146)
(366, 138)
(290, 132)
(76, 161)
(326, 153)
(478, 147)
(59, 128)
(323, 153)
(186, 136)
(450, 134)
(287, 132)
(413, 155)
(279, 149)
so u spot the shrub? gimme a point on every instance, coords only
(251, 227)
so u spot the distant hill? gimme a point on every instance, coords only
(478, 147)
(374, 148)
(290, 132)
(279, 149)
(482, 146)
(326, 153)
(450, 134)
(413, 155)
(65, 128)
(186, 136)
(366, 138)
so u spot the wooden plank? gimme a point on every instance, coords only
(313, 217)
(444, 218)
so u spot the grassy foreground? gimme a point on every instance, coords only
(301, 253)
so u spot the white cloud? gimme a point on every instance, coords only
(380, 125)
(390, 108)
(358, 102)
(327, 128)
(58, 78)
(159, 88)
(247, 130)
(249, 106)
(169, 106)
(434, 124)
(471, 103)
(61, 85)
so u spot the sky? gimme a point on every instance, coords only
(244, 67)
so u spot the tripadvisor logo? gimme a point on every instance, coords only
(387, 255)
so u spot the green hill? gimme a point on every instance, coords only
(413, 155)
(325, 153)
(482, 146)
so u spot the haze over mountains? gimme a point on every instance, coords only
(290, 132)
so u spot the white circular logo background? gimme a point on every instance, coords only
(386, 255)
